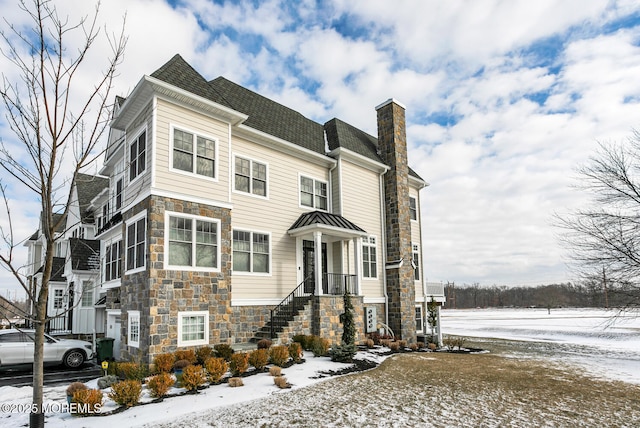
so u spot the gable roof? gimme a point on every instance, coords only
(85, 254)
(57, 270)
(321, 220)
(88, 187)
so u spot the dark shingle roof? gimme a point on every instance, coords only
(270, 117)
(57, 270)
(89, 186)
(341, 134)
(85, 254)
(324, 218)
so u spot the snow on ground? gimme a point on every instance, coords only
(585, 338)
(604, 342)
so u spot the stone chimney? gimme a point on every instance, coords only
(392, 144)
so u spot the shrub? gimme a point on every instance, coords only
(343, 353)
(74, 387)
(402, 344)
(303, 340)
(259, 358)
(264, 344)
(281, 382)
(193, 377)
(375, 336)
(279, 355)
(202, 354)
(413, 346)
(107, 381)
(181, 364)
(160, 384)
(385, 342)
(239, 363)
(394, 346)
(275, 371)
(186, 354)
(420, 345)
(224, 351)
(112, 369)
(133, 371)
(295, 351)
(348, 324)
(235, 381)
(369, 343)
(432, 346)
(319, 346)
(164, 362)
(126, 393)
(216, 368)
(92, 397)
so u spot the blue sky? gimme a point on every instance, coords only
(504, 100)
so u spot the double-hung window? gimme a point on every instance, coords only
(87, 294)
(416, 263)
(413, 208)
(194, 153)
(369, 260)
(250, 176)
(193, 328)
(118, 195)
(251, 252)
(58, 298)
(138, 156)
(136, 242)
(112, 258)
(313, 193)
(194, 242)
(134, 328)
(418, 318)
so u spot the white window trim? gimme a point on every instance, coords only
(205, 341)
(415, 249)
(131, 315)
(107, 244)
(368, 244)
(88, 288)
(417, 209)
(422, 320)
(233, 175)
(194, 268)
(216, 167)
(128, 155)
(243, 273)
(127, 223)
(306, 207)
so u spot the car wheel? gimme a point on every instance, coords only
(73, 359)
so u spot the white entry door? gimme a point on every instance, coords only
(113, 330)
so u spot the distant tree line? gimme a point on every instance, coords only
(591, 293)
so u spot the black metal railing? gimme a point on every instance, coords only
(290, 305)
(54, 325)
(337, 284)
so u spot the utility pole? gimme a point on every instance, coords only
(604, 285)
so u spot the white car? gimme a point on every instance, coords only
(17, 347)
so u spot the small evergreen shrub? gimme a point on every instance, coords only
(432, 346)
(239, 363)
(281, 382)
(112, 369)
(369, 343)
(216, 368)
(264, 344)
(160, 384)
(343, 353)
(133, 371)
(181, 364)
(394, 346)
(192, 377)
(420, 345)
(74, 387)
(235, 382)
(107, 381)
(303, 340)
(279, 355)
(92, 397)
(259, 358)
(186, 354)
(375, 336)
(413, 346)
(223, 351)
(164, 362)
(319, 346)
(275, 371)
(295, 352)
(126, 393)
(385, 342)
(402, 344)
(202, 354)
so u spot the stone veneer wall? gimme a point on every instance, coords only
(247, 320)
(392, 143)
(326, 317)
(160, 294)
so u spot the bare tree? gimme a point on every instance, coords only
(604, 238)
(58, 121)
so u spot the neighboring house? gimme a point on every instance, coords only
(224, 205)
(74, 281)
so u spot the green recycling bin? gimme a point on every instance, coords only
(105, 348)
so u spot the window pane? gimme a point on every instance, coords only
(207, 255)
(306, 185)
(259, 187)
(259, 171)
(321, 202)
(180, 229)
(240, 261)
(241, 241)
(261, 263)
(306, 199)
(206, 167)
(242, 167)
(242, 183)
(183, 141)
(179, 254)
(260, 243)
(182, 161)
(206, 232)
(206, 148)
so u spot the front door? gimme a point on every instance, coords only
(308, 264)
(113, 331)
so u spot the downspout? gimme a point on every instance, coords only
(230, 165)
(384, 249)
(424, 271)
